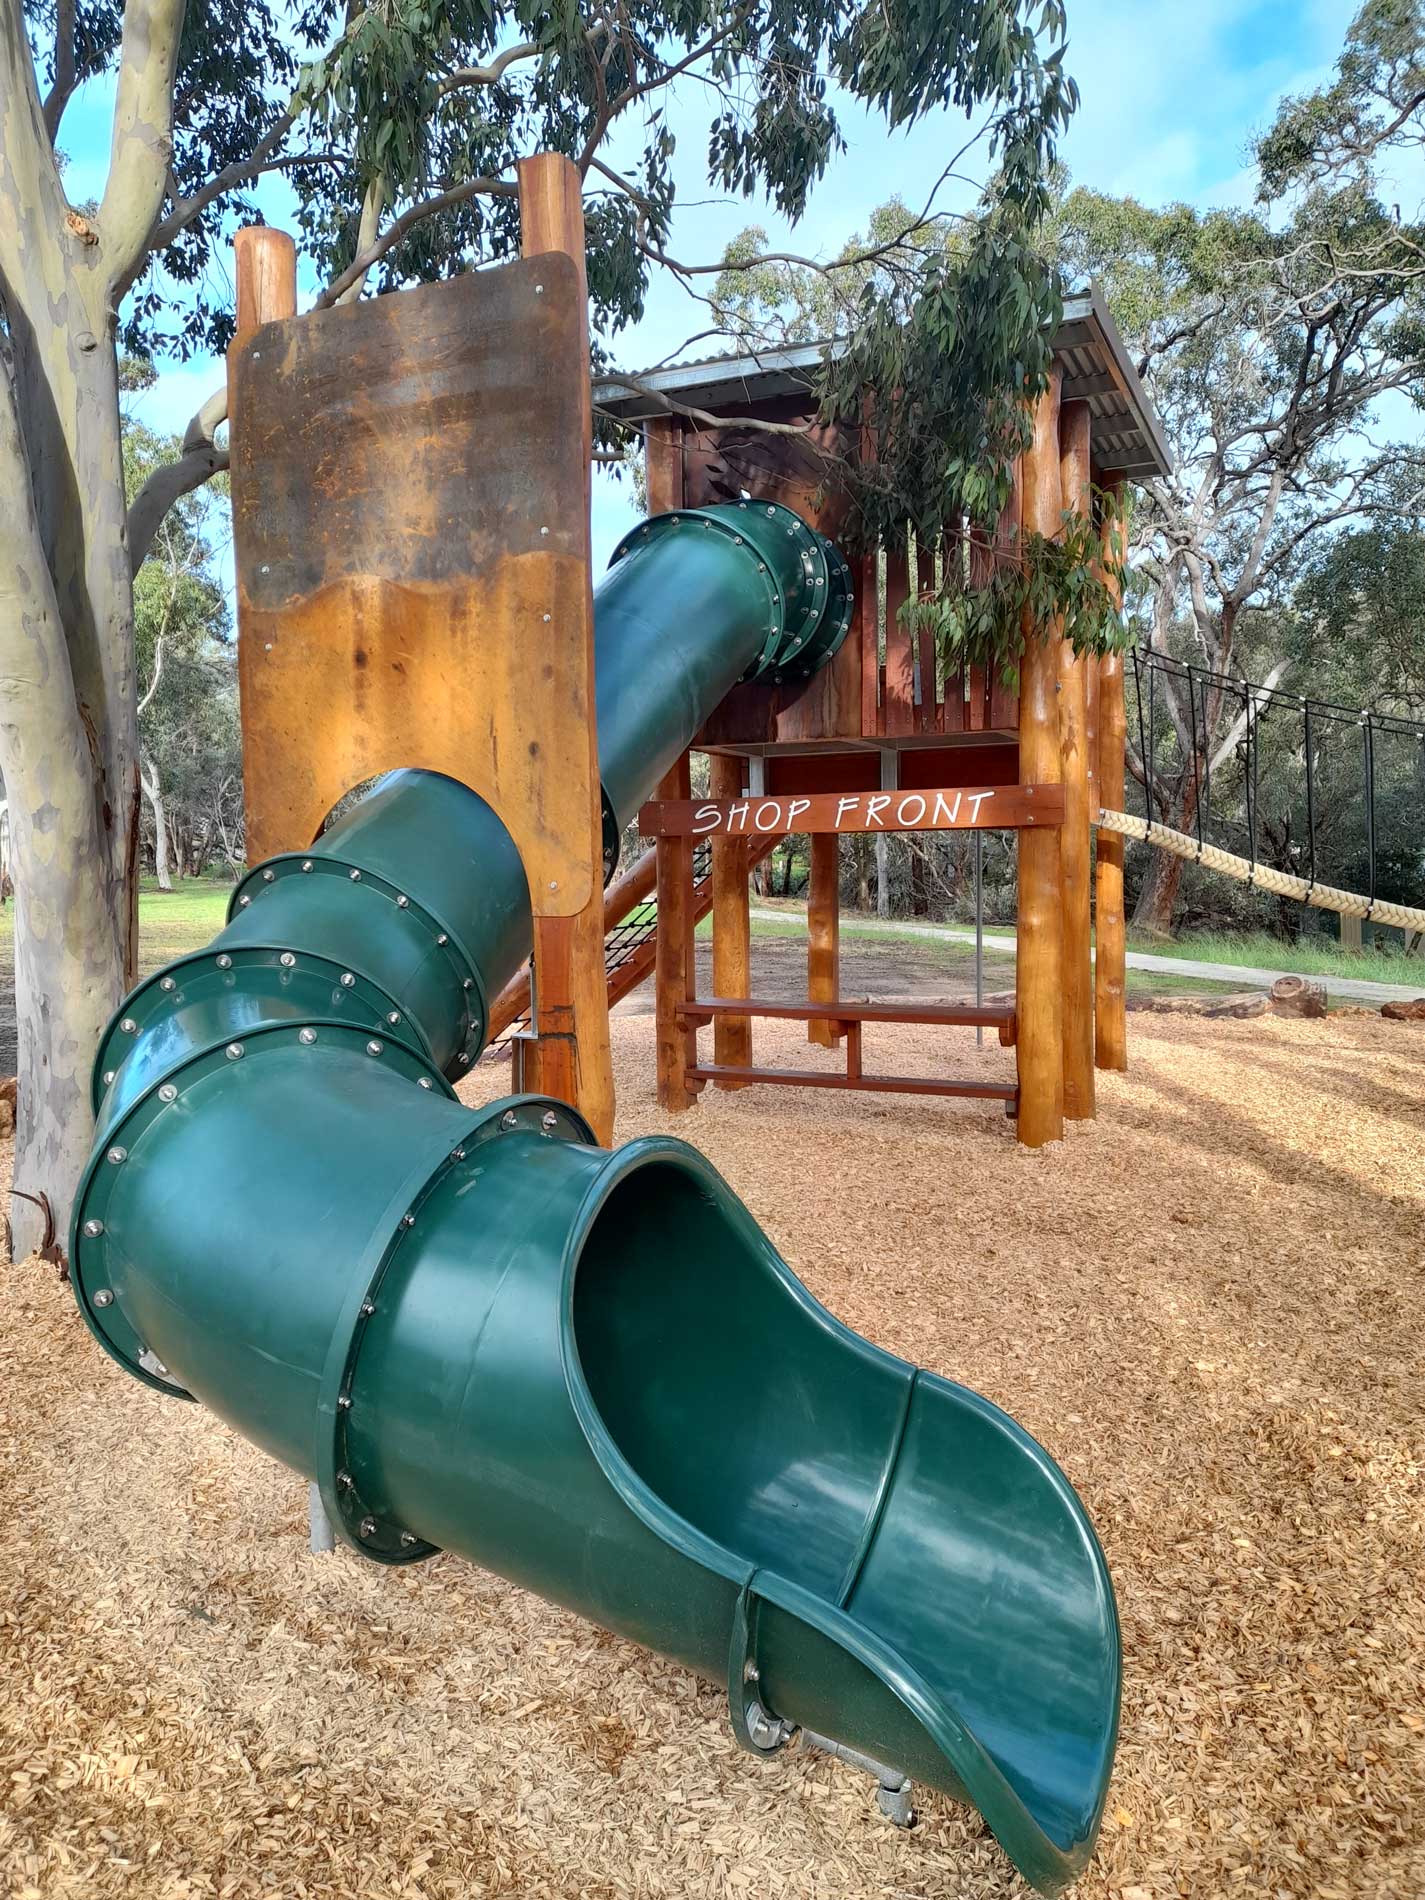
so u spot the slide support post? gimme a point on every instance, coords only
(1075, 834)
(824, 933)
(731, 924)
(1039, 998)
(1110, 973)
(570, 1057)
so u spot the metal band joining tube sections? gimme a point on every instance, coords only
(99, 1291)
(464, 966)
(806, 582)
(365, 1529)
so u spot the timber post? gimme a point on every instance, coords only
(265, 268)
(570, 992)
(1110, 973)
(731, 924)
(1039, 940)
(1075, 836)
(824, 934)
(674, 978)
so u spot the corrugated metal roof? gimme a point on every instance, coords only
(1127, 435)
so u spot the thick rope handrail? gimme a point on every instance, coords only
(1261, 876)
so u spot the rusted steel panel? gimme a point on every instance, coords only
(380, 544)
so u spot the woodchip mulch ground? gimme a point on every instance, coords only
(1208, 1305)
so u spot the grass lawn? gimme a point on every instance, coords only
(170, 922)
(1312, 956)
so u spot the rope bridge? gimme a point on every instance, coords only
(1260, 876)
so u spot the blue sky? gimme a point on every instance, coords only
(1171, 95)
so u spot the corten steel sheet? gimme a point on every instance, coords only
(408, 522)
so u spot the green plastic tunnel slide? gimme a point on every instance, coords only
(588, 1371)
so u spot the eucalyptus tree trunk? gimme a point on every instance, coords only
(68, 719)
(153, 792)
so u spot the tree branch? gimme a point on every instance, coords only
(242, 172)
(143, 137)
(427, 208)
(491, 75)
(147, 700)
(200, 461)
(66, 69)
(1254, 702)
(373, 203)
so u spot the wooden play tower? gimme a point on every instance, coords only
(411, 535)
(883, 739)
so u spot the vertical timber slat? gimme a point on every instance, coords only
(1039, 1046)
(1075, 424)
(731, 925)
(663, 463)
(900, 673)
(824, 934)
(1004, 710)
(927, 713)
(1110, 1012)
(865, 625)
(570, 989)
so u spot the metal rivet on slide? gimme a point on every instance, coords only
(469, 983)
(234, 1052)
(442, 938)
(373, 1048)
(549, 1121)
(423, 1082)
(306, 1035)
(465, 1058)
(103, 1297)
(347, 979)
(407, 1539)
(117, 1155)
(402, 903)
(244, 902)
(356, 877)
(368, 1307)
(306, 864)
(287, 960)
(509, 1119)
(166, 983)
(408, 1220)
(343, 1479)
(168, 1093)
(128, 1025)
(93, 1228)
(268, 876)
(225, 962)
(457, 1154)
(343, 1404)
(394, 1017)
(108, 1077)
(368, 1527)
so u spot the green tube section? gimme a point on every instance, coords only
(586, 1370)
